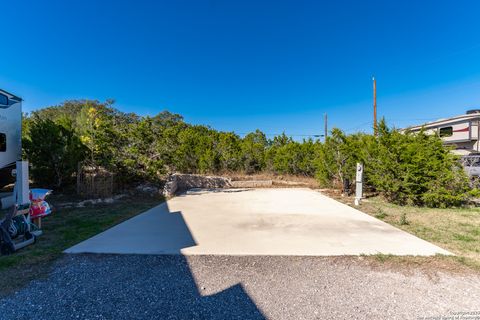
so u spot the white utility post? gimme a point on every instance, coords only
(359, 184)
(21, 185)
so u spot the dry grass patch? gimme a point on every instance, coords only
(277, 179)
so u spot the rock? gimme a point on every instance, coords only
(171, 186)
(147, 188)
(182, 182)
(119, 196)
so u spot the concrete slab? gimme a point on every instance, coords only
(255, 222)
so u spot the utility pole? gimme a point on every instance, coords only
(374, 106)
(326, 125)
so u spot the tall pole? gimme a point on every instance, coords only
(374, 106)
(326, 126)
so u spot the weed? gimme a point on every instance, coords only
(381, 214)
(403, 219)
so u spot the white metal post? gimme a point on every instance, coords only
(21, 185)
(359, 184)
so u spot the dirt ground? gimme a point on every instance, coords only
(278, 180)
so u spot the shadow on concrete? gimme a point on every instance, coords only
(156, 231)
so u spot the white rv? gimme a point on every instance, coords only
(10, 135)
(461, 132)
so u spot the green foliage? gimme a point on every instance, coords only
(285, 156)
(416, 169)
(230, 152)
(97, 126)
(140, 154)
(195, 151)
(54, 149)
(405, 168)
(403, 219)
(338, 156)
(253, 147)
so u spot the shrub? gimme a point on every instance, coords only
(416, 169)
(405, 168)
(337, 157)
(253, 147)
(54, 151)
(285, 156)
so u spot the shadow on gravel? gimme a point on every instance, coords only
(96, 286)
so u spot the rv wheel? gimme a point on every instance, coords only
(7, 248)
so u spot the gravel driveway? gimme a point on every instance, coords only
(235, 287)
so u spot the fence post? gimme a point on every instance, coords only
(359, 184)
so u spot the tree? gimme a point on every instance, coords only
(405, 168)
(253, 150)
(285, 156)
(141, 157)
(54, 151)
(230, 151)
(335, 160)
(416, 168)
(97, 129)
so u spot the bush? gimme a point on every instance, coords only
(285, 156)
(405, 168)
(54, 151)
(338, 156)
(416, 169)
(253, 147)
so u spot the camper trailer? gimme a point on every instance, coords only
(21, 224)
(461, 132)
(10, 136)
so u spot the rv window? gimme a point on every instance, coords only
(3, 100)
(3, 142)
(446, 132)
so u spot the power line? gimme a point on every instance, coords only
(359, 126)
(287, 134)
(350, 129)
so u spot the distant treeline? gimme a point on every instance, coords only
(405, 168)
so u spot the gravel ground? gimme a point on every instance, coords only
(253, 287)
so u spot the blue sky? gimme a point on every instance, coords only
(241, 65)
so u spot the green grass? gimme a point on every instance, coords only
(381, 214)
(455, 229)
(61, 230)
